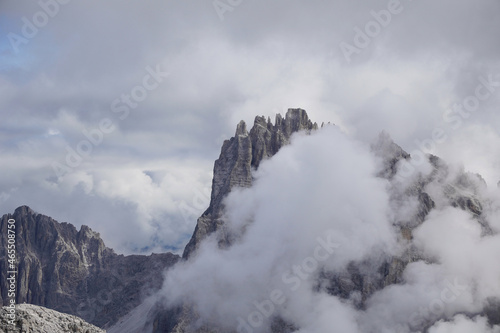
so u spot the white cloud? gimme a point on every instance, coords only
(462, 324)
(303, 190)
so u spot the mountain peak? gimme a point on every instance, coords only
(391, 153)
(241, 129)
(24, 210)
(239, 156)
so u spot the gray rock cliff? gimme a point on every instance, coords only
(74, 272)
(239, 156)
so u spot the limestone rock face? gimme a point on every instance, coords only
(74, 272)
(36, 319)
(239, 155)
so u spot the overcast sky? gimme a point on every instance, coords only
(147, 91)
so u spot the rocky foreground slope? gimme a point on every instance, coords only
(36, 319)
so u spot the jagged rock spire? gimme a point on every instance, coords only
(239, 155)
(241, 129)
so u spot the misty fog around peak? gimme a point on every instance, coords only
(308, 193)
(321, 194)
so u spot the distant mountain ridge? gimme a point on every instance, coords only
(74, 272)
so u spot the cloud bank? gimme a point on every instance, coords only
(316, 209)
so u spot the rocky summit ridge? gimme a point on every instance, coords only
(239, 156)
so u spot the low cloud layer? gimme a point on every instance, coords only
(315, 205)
(316, 208)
